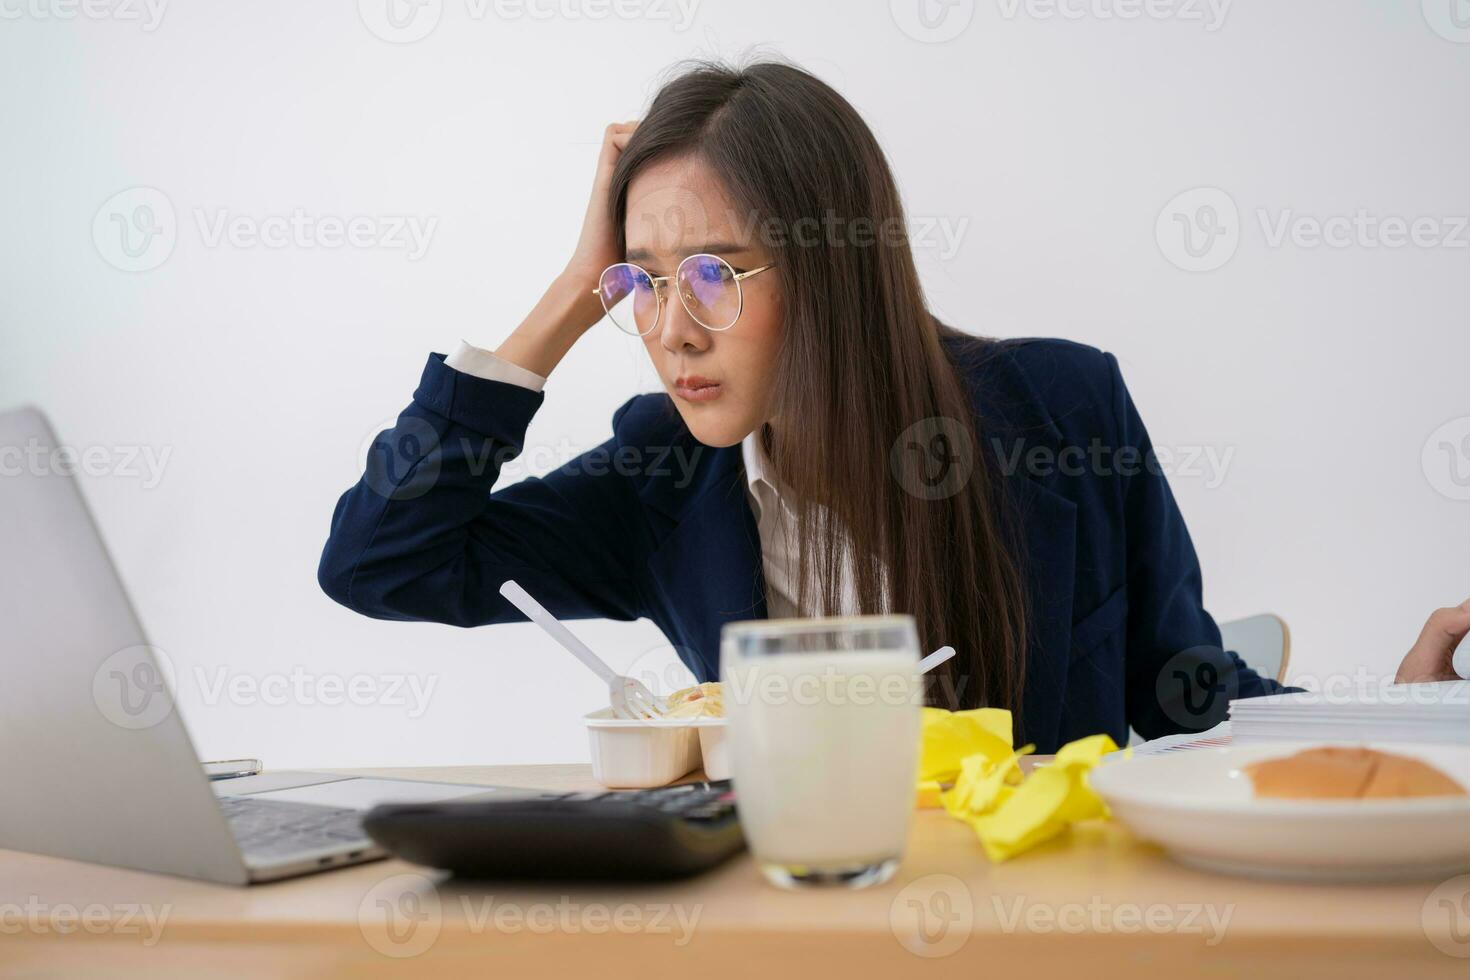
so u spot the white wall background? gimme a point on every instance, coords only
(1049, 143)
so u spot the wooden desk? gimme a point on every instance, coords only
(1099, 904)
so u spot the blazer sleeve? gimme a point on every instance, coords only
(1179, 677)
(421, 536)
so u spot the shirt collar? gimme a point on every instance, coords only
(759, 479)
(757, 466)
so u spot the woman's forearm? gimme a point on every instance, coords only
(565, 312)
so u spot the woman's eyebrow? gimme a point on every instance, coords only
(713, 248)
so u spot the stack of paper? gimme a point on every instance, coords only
(1437, 712)
(1215, 738)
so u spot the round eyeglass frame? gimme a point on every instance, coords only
(660, 282)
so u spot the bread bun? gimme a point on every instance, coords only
(1348, 774)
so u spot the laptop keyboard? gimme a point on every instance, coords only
(267, 829)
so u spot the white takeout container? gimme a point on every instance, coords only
(640, 753)
(714, 747)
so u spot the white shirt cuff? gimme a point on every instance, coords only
(484, 365)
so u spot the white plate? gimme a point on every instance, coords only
(1200, 807)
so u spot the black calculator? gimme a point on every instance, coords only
(626, 835)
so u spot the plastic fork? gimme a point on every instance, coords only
(630, 698)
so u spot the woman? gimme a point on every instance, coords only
(822, 445)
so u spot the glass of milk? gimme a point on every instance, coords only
(824, 742)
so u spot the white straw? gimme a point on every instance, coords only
(935, 659)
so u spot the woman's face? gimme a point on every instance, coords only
(720, 381)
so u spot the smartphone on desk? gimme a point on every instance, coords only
(230, 768)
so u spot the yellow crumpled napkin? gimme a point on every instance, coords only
(948, 737)
(1011, 813)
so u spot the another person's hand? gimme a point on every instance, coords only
(1430, 659)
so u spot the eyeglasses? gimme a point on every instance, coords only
(708, 286)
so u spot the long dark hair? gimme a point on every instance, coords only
(864, 367)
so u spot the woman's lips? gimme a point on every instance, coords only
(697, 389)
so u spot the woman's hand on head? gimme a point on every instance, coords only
(598, 246)
(1431, 658)
(569, 308)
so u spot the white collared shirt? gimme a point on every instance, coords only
(774, 518)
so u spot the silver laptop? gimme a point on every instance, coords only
(95, 762)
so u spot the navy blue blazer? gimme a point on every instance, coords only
(654, 524)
